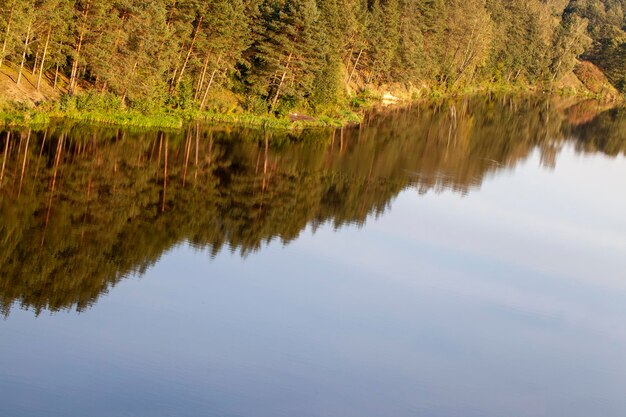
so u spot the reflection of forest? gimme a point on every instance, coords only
(82, 207)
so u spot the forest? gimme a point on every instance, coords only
(83, 207)
(315, 56)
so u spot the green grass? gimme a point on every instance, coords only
(126, 118)
(169, 119)
(108, 109)
(111, 113)
(23, 118)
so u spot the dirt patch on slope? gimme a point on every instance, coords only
(26, 92)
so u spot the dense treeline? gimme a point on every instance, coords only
(606, 23)
(275, 55)
(83, 207)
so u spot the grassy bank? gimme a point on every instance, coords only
(109, 109)
(168, 119)
(106, 109)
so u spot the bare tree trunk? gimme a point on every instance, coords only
(171, 14)
(56, 77)
(208, 87)
(74, 72)
(573, 41)
(19, 74)
(355, 65)
(193, 41)
(172, 80)
(7, 33)
(131, 75)
(349, 56)
(79, 45)
(34, 71)
(201, 82)
(43, 58)
(282, 80)
(4, 160)
(468, 55)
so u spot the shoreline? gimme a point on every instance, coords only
(17, 117)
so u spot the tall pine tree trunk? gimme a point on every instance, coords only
(19, 74)
(171, 14)
(355, 65)
(74, 72)
(43, 58)
(132, 73)
(7, 33)
(189, 51)
(56, 77)
(202, 76)
(282, 80)
(208, 87)
(34, 71)
(177, 60)
(79, 45)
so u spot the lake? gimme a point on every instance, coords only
(459, 259)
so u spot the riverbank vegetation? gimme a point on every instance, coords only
(262, 61)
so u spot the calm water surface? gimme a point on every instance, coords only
(459, 260)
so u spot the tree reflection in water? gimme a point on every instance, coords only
(82, 207)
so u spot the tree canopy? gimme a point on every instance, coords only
(276, 55)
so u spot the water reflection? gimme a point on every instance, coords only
(82, 207)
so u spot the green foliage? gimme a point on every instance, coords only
(21, 114)
(183, 97)
(275, 56)
(91, 101)
(606, 26)
(570, 41)
(286, 54)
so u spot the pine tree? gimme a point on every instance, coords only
(570, 41)
(225, 37)
(408, 62)
(384, 35)
(281, 54)
(285, 56)
(51, 29)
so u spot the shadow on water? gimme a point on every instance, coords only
(82, 207)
